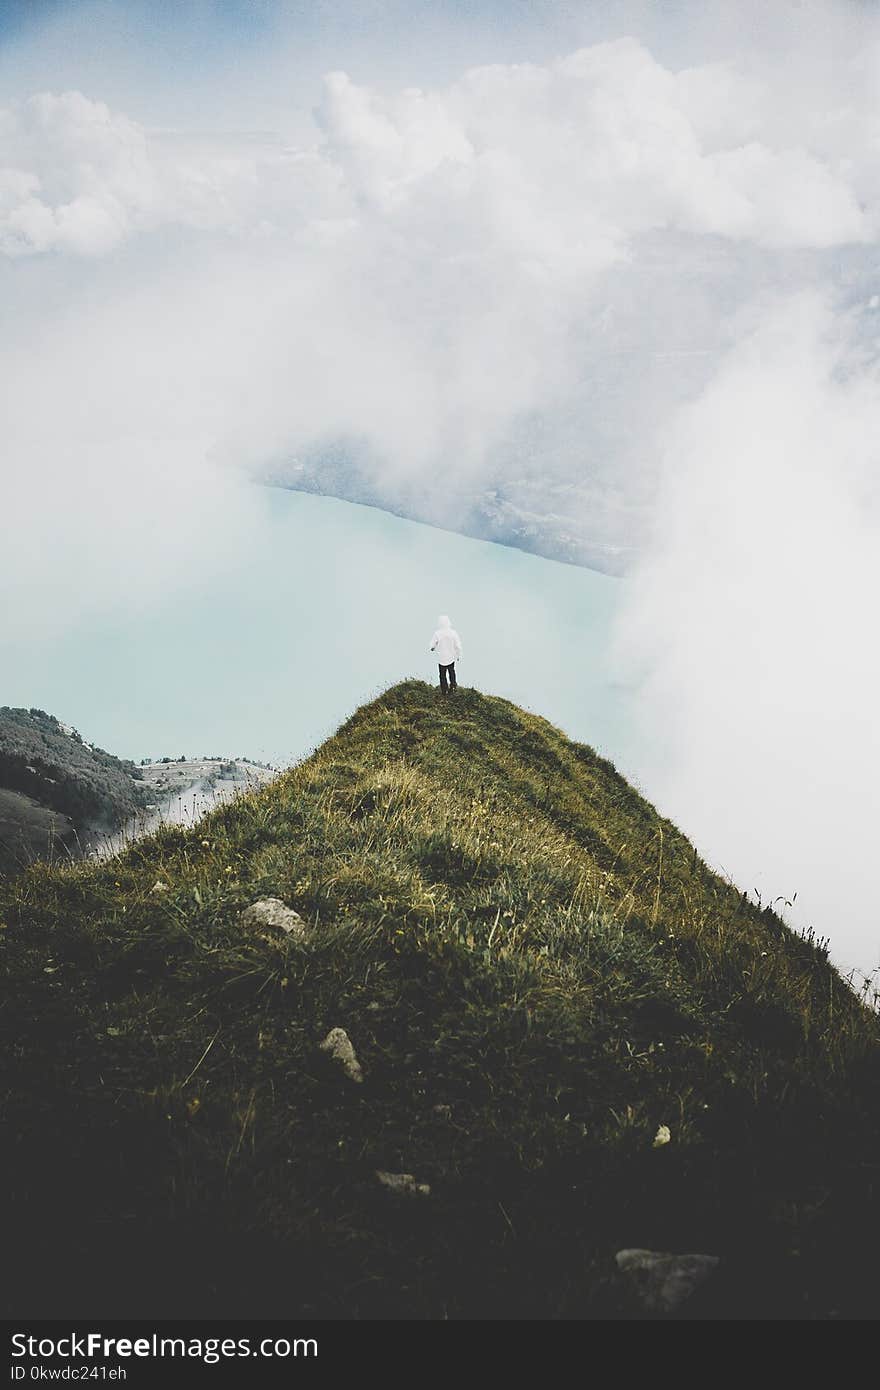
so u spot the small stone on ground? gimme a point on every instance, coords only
(338, 1044)
(272, 912)
(403, 1183)
(663, 1281)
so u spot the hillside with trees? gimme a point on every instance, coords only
(47, 766)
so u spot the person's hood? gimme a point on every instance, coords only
(443, 621)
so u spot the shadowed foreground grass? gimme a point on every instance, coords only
(536, 970)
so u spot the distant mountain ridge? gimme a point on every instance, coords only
(62, 796)
(45, 764)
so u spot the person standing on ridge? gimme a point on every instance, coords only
(447, 644)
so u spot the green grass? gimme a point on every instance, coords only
(508, 932)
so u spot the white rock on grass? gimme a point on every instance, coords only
(663, 1281)
(272, 912)
(403, 1183)
(338, 1044)
(159, 886)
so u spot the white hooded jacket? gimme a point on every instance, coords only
(446, 642)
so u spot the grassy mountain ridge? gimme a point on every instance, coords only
(536, 970)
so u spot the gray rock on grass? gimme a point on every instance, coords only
(272, 912)
(403, 1183)
(338, 1044)
(662, 1281)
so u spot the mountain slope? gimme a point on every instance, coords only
(44, 764)
(536, 971)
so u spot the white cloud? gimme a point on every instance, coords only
(750, 624)
(443, 271)
(442, 266)
(78, 178)
(84, 174)
(567, 162)
(584, 152)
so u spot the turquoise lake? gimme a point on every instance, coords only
(326, 605)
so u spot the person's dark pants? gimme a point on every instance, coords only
(448, 673)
